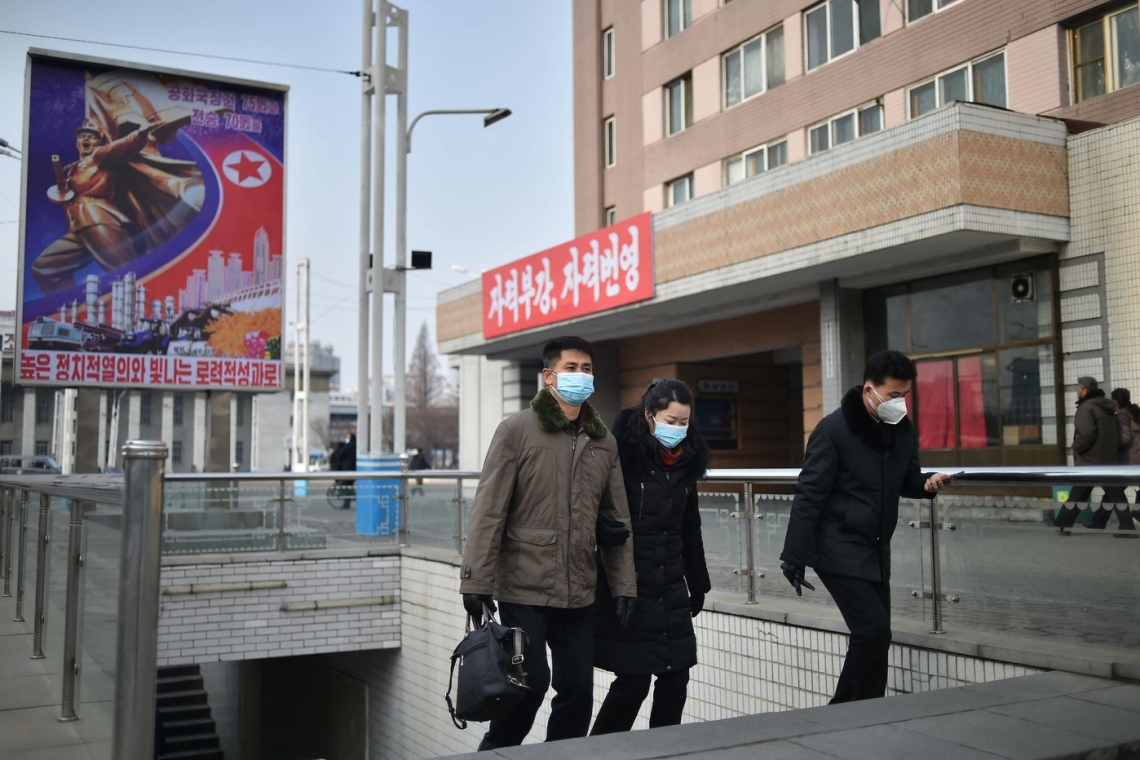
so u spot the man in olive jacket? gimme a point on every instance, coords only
(860, 460)
(551, 478)
(1095, 441)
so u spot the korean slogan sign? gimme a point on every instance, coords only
(608, 268)
(151, 250)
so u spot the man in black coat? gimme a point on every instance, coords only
(860, 460)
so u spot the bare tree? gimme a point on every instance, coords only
(425, 383)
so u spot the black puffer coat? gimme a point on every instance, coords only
(669, 556)
(847, 498)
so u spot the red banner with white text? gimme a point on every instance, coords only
(603, 270)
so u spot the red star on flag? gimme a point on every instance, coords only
(246, 168)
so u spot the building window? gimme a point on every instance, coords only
(754, 67)
(608, 53)
(176, 452)
(45, 403)
(241, 410)
(980, 81)
(678, 16)
(144, 408)
(755, 161)
(678, 105)
(42, 448)
(986, 379)
(845, 127)
(178, 410)
(239, 452)
(5, 448)
(1106, 54)
(916, 9)
(609, 140)
(836, 27)
(679, 190)
(611, 215)
(7, 393)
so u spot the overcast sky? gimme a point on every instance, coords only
(476, 197)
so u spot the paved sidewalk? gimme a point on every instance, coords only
(1039, 717)
(30, 700)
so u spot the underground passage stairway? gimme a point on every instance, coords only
(1038, 717)
(184, 726)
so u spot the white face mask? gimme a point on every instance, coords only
(891, 412)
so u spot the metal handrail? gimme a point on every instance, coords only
(142, 501)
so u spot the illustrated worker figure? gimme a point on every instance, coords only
(121, 198)
(860, 460)
(551, 477)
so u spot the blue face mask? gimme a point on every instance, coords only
(670, 435)
(574, 387)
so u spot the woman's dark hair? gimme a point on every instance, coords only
(1122, 396)
(656, 398)
(1134, 410)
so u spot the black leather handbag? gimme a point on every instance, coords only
(491, 674)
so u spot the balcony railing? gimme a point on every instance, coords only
(985, 546)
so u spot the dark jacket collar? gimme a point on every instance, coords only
(875, 434)
(637, 454)
(551, 418)
(1093, 396)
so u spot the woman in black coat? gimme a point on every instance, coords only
(662, 457)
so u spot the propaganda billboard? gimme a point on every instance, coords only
(152, 233)
(603, 270)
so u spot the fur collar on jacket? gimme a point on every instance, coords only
(636, 453)
(552, 419)
(875, 434)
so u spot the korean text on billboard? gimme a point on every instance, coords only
(152, 246)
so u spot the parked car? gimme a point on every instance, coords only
(22, 464)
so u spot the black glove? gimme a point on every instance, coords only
(696, 603)
(623, 606)
(473, 603)
(795, 576)
(611, 532)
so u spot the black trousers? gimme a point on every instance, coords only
(570, 636)
(866, 608)
(628, 691)
(1113, 495)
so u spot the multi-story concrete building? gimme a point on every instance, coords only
(944, 177)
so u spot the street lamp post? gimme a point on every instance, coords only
(382, 80)
(403, 148)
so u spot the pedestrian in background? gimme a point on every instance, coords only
(663, 454)
(1122, 400)
(551, 471)
(860, 460)
(1096, 441)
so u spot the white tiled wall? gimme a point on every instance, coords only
(1099, 289)
(248, 625)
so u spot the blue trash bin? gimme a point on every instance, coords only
(378, 501)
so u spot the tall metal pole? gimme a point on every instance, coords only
(301, 374)
(7, 536)
(400, 326)
(43, 553)
(936, 596)
(380, 81)
(73, 608)
(136, 666)
(3, 523)
(22, 537)
(362, 322)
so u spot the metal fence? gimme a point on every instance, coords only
(987, 543)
